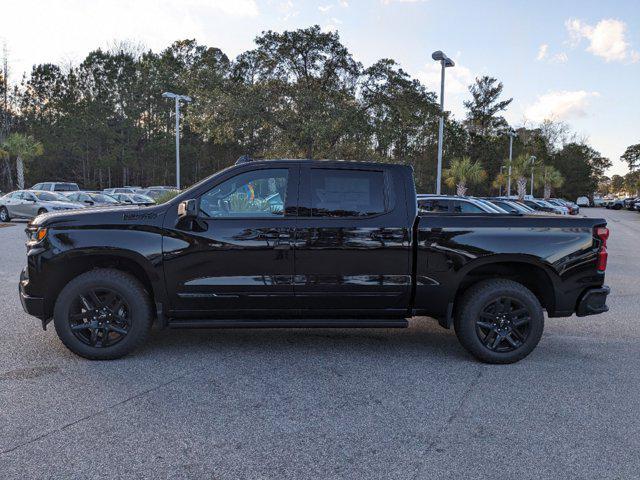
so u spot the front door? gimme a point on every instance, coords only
(353, 250)
(237, 258)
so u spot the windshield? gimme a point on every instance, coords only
(50, 197)
(99, 197)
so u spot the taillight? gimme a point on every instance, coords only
(603, 234)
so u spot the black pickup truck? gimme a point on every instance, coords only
(301, 243)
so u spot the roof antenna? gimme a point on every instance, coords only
(244, 159)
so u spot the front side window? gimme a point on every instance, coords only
(347, 193)
(258, 193)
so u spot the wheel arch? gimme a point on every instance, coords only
(526, 270)
(67, 266)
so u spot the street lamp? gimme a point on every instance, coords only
(445, 62)
(532, 159)
(512, 134)
(500, 186)
(177, 98)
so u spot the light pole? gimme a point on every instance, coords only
(512, 134)
(500, 187)
(533, 161)
(445, 62)
(177, 98)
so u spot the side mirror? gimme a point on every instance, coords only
(188, 209)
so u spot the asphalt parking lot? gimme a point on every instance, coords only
(399, 404)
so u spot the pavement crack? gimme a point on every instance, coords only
(453, 415)
(92, 415)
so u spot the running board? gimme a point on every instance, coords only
(290, 323)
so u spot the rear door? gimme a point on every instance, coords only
(352, 247)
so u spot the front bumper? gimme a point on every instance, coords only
(32, 305)
(593, 302)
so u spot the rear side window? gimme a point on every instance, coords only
(348, 193)
(65, 187)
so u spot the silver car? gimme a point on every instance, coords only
(30, 203)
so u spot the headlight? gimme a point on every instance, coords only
(36, 235)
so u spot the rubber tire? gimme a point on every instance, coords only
(134, 294)
(42, 211)
(6, 212)
(475, 298)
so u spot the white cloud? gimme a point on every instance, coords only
(607, 39)
(344, 3)
(332, 26)
(325, 8)
(559, 105)
(560, 57)
(387, 2)
(542, 52)
(66, 30)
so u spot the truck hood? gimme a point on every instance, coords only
(100, 216)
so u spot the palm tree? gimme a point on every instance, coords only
(463, 172)
(520, 170)
(499, 182)
(24, 148)
(550, 178)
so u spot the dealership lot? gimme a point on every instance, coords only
(326, 403)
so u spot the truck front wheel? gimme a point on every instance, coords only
(499, 321)
(103, 314)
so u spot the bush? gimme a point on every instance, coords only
(166, 196)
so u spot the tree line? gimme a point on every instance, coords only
(297, 94)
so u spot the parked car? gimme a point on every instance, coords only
(111, 191)
(583, 202)
(134, 199)
(597, 202)
(512, 207)
(569, 208)
(542, 206)
(309, 244)
(155, 192)
(92, 199)
(629, 202)
(454, 204)
(29, 203)
(56, 186)
(615, 204)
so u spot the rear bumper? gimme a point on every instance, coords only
(593, 302)
(32, 305)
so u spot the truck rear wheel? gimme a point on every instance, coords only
(103, 314)
(499, 321)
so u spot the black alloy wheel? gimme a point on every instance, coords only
(503, 325)
(499, 321)
(99, 317)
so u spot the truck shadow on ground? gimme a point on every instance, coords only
(421, 337)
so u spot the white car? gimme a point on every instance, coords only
(583, 202)
(31, 203)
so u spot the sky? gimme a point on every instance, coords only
(572, 61)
